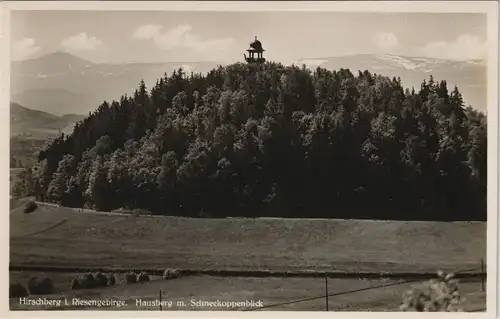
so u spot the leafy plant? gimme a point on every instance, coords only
(441, 294)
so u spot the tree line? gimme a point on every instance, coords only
(273, 140)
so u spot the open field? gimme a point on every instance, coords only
(63, 237)
(268, 290)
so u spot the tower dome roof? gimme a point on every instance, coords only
(256, 45)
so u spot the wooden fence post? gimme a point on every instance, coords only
(483, 275)
(160, 301)
(326, 290)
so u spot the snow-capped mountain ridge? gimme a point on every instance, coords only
(407, 62)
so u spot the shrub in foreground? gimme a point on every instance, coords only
(111, 280)
(440, 294)
(142, 277)
(170, 274)
(17, 290)
(30, 207)
(76, 284)
(101, 279)
(90, 280)
(131, 278)
(43, 286)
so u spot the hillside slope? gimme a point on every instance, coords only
(55, 101)
(29, 130)
(29, 122)
(65, 237)
(277, 141)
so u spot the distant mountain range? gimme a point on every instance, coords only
(39, 125)
(60, 83)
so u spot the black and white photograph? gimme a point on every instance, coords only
(239, 156)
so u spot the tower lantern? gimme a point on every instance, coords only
(255, 52)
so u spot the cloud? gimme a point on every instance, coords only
(464, 47)
(386, 42)
(183, 37)
(148, 31)
(309, 63)
(24, 49)
(81, 42)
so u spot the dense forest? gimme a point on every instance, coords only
(273, 140)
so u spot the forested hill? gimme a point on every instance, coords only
(270, 140)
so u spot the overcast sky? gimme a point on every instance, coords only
(224, 36)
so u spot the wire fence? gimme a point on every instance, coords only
(346, 292)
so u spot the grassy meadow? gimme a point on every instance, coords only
(65, 237)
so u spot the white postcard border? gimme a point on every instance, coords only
(490, 8)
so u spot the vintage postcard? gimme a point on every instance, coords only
(241, 157)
